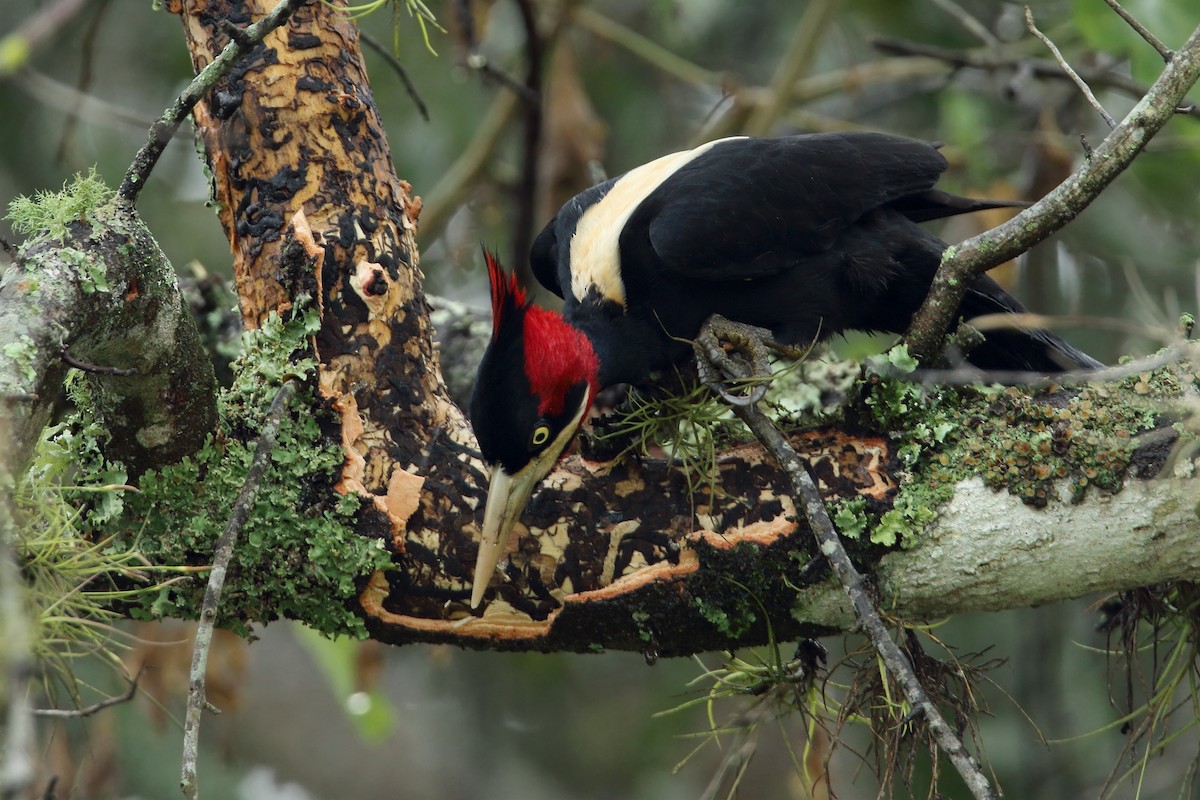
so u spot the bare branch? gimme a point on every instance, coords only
(95, 369)
(1062, 62)
(162, 130)
(992, 61)
(216, 583)
(16, 659)
(961, 264)
(1164, 51)
(387, 55)
(831, 547)
(87, 711)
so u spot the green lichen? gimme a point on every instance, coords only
(298, 551)
(813, 391)
(733, 622)
(23, 355)
(1040, 446)
(641, 619)
(48, 215)
(93, 274)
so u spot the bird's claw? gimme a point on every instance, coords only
(746, 361)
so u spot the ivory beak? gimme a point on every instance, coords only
(507, 496)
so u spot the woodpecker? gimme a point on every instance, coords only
(807, 236)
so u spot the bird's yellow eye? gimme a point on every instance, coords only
(541, 435)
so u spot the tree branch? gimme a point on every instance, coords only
(993, 61)
(103, 290)
(162, 130)
(1164, 51)
(831, 547)
(602, 545)
(216, 583)
(962, 263)
(16, 657)
(1071, 73)
(94, 708)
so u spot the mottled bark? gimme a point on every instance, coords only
(617, 556)
(105, 295)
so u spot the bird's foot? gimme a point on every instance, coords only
(744, 362)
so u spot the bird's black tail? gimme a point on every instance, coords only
(1017, 349)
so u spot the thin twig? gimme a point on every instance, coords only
(964, 262)
(387, 55)
(1062, 62)
(162, 130)
(865, 612)
(477, 61)
(216, 583)
(95, 369)
(1164, 51)
(993, 61)
(968, 21)
(87, 711)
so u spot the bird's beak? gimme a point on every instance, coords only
(507, 496)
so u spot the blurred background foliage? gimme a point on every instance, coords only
(625, 81)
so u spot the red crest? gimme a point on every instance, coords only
(506, 291)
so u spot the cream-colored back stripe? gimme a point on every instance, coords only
(594, 256)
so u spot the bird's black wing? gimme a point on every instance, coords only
(749, 208)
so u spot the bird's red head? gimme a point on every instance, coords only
(534, 387)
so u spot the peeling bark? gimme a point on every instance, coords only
(607, 555)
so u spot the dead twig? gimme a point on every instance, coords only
(387, 55)
(963, 263)
(216, 583)
(1062, 62)
(994, 61)
(87, 711)
(164, 129)
(865, 612)
(1164, 51)
(95, 369)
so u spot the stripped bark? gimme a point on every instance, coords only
(608, 555)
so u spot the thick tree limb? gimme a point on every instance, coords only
(833, 550)
(105, 292)
(613, 555)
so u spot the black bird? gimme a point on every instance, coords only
(806, 235)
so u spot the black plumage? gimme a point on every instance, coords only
(807, 235)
